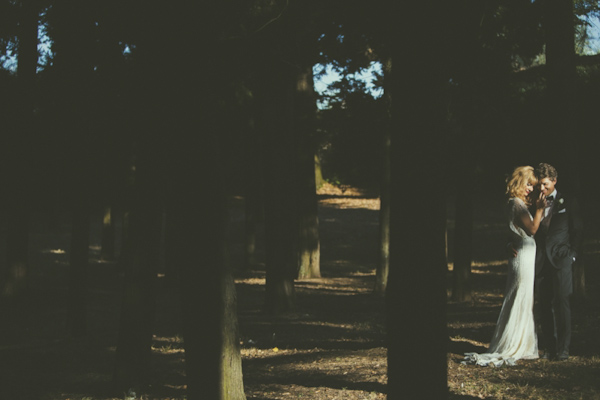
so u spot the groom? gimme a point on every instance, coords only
(558, 243)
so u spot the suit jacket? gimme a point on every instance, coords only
(562, 242)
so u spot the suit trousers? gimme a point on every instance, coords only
(555, 287)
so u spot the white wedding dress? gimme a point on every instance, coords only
(514, 337)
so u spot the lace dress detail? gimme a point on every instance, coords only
(514, 337)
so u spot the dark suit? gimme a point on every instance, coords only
(558, 244)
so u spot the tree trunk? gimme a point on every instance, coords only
(208, 299)
(305, 108)
(107, 250)
(13, 280)
(74, 68)
(210, 326)
(78, 267)
(133, 354)
(253, 198)
(169, 248)
(281, 221)
(319, 181)
(383, 268)
(416, 292)
(463, 234)
(561, 74)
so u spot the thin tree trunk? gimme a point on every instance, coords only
(319, 181)
(253, 199)
(107, 250)
(78, 268)
(383, 268)
(305, 109)
(171, 272)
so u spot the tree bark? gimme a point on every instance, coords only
(197, 203)
(253, 196)
(276, 100)
(78, 267)
(416, 292)
(280, 208)
(561, 73)
(133, 354)
(208, 299)
(107, 249)
(13, 280)
(319, 181)
(383, 268)
(305, 108)
(463, 234)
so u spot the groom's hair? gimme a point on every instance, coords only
(544, 170)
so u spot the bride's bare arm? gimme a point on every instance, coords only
(531, 226)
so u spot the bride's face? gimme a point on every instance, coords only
(526, 189)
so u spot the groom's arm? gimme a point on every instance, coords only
(575, 226)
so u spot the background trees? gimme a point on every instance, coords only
(166, 109)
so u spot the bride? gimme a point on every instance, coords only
(514, 337)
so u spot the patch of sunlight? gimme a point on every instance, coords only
(167, 349)
(54, 251)
(251, 281)
(482, 264)
(178, 387)
(352, 203)
(95, 248)
(169, 339)
(266, 353)
(474, 326)
(358, 273)
(322, 324)
(495, 263)
(461, 339)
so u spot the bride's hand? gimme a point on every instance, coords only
(540, 203)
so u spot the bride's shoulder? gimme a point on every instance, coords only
(516, 202)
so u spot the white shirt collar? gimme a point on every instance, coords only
(554, 193)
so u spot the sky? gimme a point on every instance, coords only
(322, 81)
(593, 46)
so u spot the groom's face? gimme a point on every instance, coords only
(547, 186)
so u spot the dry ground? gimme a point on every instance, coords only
(331, 347)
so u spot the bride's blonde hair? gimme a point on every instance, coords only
(521, 176)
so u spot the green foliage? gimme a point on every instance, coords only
(351, 136)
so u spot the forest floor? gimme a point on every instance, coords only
(331, 347)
